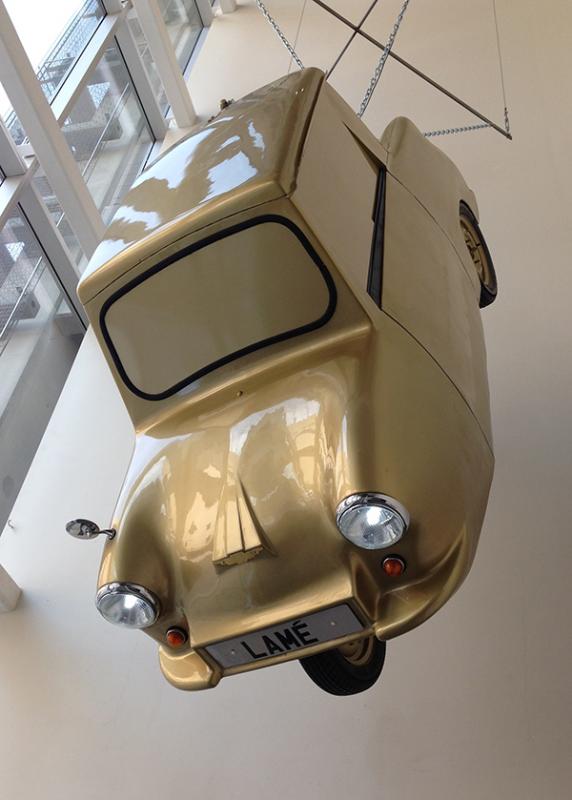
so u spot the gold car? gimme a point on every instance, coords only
(290, 310)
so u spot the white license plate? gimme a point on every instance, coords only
(286, 637)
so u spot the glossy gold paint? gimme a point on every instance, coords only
(245, 157)
(227, 513)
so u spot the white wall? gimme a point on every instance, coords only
(475, 704)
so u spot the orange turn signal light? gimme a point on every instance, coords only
(393, 566)
(176, 637)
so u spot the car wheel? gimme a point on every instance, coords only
(480, 255)
(349, 669)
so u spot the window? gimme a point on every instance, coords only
(148, 61)
(50, 20)
(114, 112)
(108, 133)
(184, 26)
(236, 292)
(59, 218)
(39, 337)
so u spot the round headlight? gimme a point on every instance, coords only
(371, 521)
(128, 605)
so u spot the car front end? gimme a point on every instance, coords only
(306, 474)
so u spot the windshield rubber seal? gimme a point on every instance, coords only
(280, 337)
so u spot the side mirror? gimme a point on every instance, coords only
(86, 529)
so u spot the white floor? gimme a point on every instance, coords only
(476, 704)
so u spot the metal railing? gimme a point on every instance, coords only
(18, 311)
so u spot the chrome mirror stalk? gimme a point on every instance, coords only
(86, 529)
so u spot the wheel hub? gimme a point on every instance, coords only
(475, 248)
(358, 652)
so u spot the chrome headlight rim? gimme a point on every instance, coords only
(129, 589)
(361, 499)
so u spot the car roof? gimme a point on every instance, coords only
(246, 155)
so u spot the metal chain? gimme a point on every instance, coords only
(279, 33)
(464, 129)
(381, 63)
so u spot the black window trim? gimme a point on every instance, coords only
(280, 337)
(375, 274)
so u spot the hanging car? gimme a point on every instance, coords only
(290, 310)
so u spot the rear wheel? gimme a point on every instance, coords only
(349, 669)
(480, 255)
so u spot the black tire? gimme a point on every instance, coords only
(339, 674)
(480, 254)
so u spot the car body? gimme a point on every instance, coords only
(291, 314)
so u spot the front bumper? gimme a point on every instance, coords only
(292, 639)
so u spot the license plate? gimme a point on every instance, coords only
(286, 637)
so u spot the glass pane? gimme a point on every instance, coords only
(69, 24)
(147, 59)
(108, 133)
(237, 294)
(39, 337)
(60, 220)
(184, 25)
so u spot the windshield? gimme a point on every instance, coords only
(235, 292)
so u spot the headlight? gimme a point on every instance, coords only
(127, 604)
(371, 521)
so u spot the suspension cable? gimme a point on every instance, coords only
(381, 63)
(297, 33)
(274, 25)
(413, 69)
(352, 37)
(488, 124)
(387, 52)
(501, 70)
